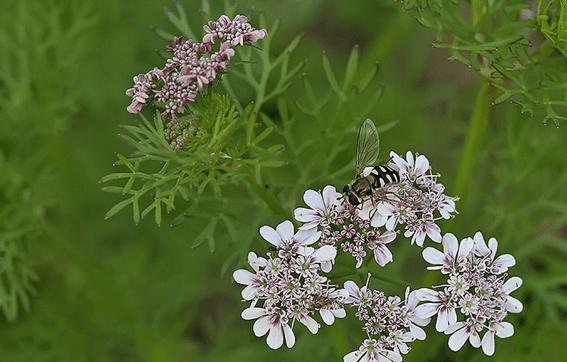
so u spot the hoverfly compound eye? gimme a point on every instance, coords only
(353, 199)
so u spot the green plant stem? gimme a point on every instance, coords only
(473, 141)
(471, 150)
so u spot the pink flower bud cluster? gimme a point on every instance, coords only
(191, 67)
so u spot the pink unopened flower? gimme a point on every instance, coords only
(237, 31)
(191, 67)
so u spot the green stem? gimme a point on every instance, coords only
(473, 141)
(471, 150)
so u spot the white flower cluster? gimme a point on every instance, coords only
(389, 322)
(476, 286)
(289, 284)
(417, 202)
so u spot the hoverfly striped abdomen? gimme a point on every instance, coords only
(382, 175)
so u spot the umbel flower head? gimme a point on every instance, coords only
(412, 206)
(389, 322)
(477, 289)
(192, 66)
(287, 285)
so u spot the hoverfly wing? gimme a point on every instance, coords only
(368, 147)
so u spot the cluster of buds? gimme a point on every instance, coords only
(388, 321)
(177, 133)
(476, 286)
(416, 203)
(192, 66)
(288, 286)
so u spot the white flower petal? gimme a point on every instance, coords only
(502, 263)
(261, 326)
(387, 237)
(433, 256)
(450, 245)
(417, 332)
(421, 165)
(512, 284)
(474, 338)
(271, 236)
(434, 233)
(382, 255)
(442, 320)
(458, 339)
(452, 316)
(513, 305)
(426, 294)
(352, 357)
(310, 323)
(275, 337)
(493, 246)
(327, 266)
(351, 288)
(304, 215)
(339, 313)
(465, 248)
(504, 329)
(325, 253)
(249, 292)
(314, 200)
(253, 313)
(426, 310)
(307, 237)
(288, 335)
(330, 195)
(243, 276)
(479, 244)
(285, 229)
(488, 343)
(453, 327)
(385, 209)
(327, 316)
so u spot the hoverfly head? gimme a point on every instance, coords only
(351, 195)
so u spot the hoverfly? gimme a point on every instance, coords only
(369, 178)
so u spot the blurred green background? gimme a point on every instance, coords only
(110, 290)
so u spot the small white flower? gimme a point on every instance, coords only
(452, 256)
(410, 168)
(512, 305)
(497, 265)
(461, 332)
(378, 245)
(283, 237)
(370, 351)
(438, 305)
(251, 280)
(357, 296)
(416, 322)
(419, 229)
(502, 330)
(274, 323)
(320, 207)
(329, 315)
